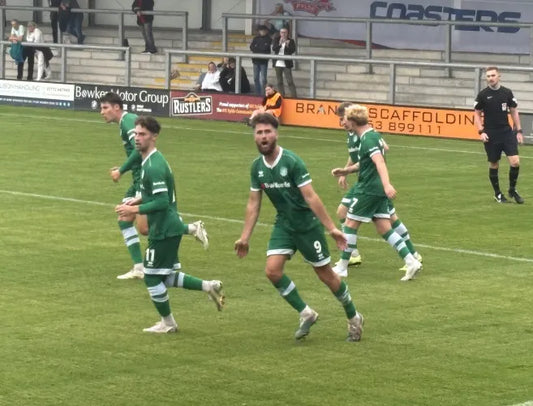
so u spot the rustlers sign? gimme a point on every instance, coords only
(191, 104)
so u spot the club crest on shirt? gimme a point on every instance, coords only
(283, 171)
(504, 106)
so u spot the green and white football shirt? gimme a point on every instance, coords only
(127, 135)
(353, 141)
(159, 198)
(281, 182)
(369, 182)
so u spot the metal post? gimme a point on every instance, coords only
(2, 61)
(530, 50)
(369, 45)
(128, 66)
(167, 70)
(477, 80)
(448, 50)
(184, 36)
(63, 64)
(224, 34)
(2, 21)
(392, 83)
(121, 33)
(294, 34)
(238, 75)
(312, 79)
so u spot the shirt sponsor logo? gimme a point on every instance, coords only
(260, 174)
(275, 185)
(192, 104)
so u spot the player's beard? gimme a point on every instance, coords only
(267, 148)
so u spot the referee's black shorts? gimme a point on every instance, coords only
(501, 141)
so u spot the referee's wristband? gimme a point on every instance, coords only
(480, 132)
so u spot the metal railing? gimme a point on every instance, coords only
(120, 13)
(314, 60)
(65, 47)
(369, 22)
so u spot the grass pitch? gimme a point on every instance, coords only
(460, 334)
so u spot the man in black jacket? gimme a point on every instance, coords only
(284, 46)
(227, 78)
(144, 22)
(260, 45)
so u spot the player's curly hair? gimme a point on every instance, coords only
(265, 118)
(150, 123)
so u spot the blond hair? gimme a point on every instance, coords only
(357, 113)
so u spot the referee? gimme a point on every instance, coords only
(492, 106)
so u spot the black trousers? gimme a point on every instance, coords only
(27, 53)
(53, 22)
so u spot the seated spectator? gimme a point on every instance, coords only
(224, 63)
(18, 52)
(272, 103)
(43, 54)
(210, 80)
(227, 78)
(274, 25)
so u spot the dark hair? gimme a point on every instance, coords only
(111, 98)
(231, 59)
(492, 68)
(341, 108)
(150, 123)
(265, 118)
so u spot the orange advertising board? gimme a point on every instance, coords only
(385, 118)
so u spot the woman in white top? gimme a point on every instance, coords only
(283, 45)
(35, 35)
(17, 36)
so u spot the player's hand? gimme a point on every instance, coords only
(342, 182)
(339, 238)
(126, 212)
(484, 137)
(241, 248)
(339, 172)
(520, 138)
(390, 191)
(115, 174)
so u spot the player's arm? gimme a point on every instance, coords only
(318, 208)
(253, 207)
(342, 172)
(381, 167)
(338, 172)
(478, 123)
(516, 121)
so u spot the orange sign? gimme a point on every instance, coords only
(385, 118)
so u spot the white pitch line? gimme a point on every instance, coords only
(228, 220)
(219, 131)
(528, 403)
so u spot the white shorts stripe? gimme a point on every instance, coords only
(283, 251)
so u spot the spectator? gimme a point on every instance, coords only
(260, 45)
(73, 19)
(145, 22)
(43, 54)
(271, 104)
(16, 37)
(54, 16)
(275, 25)
(284, 46)
(227, 78)
(223, 64)
(210, 80)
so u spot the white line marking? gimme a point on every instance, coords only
(340, 140)
(228, 220)
(528, 403)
